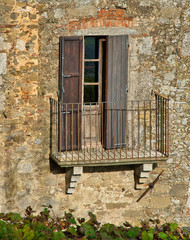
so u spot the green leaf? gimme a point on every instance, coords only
(14, 217)
(92, 217)
(133, 232)
(147, 235)
(46, 211)
(163, 236)
(105, 236)
(174, 237)
(58, 236)
(86, 226)
(118, 233)
(28, 233)
(90, 233)
(73, 231)
(173, 226)
(109, 228)
(72, 220)
(124, 234)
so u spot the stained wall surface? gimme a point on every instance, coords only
(159, 60)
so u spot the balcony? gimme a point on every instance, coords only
(109, 133)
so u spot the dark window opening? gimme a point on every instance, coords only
(94, 74)
(90, 93)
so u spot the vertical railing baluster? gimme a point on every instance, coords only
(66, 129)
(51, 121)
(165, 126)
(97, 128)
(127, 129)
(72, 133)
(144, 129)
(168, 136)
(156, 104)
(121, 124)
(60, 129)
(102, 120)
(163, 102)
(158, 123)
(138, 128)
(161, 123)
(132, 133)
(56, 124)
(78, 118)
(114, 123)
(90, 134)
(150, 128)
(109, 140)
(84, 132)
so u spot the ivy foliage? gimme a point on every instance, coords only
(45, 227)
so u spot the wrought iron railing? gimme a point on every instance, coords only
(109, 133)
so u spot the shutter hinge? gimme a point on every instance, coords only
(58, 92)
(66, 76)
(127, 43)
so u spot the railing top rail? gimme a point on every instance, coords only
(104, 102)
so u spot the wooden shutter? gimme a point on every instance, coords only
(70, 93)
(116, 92)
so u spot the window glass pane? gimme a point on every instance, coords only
(90, 93)
(91, 47)
(91, 72)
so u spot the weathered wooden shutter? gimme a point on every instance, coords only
(116, 92)
(70, 93)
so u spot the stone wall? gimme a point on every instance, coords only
(159, 60)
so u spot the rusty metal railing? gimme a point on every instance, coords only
(109, 132)
(162, 124)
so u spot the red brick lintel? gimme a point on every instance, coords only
(105, 18)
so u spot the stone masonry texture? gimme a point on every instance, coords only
(159, 60)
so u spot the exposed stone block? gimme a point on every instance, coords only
(82, 11)
(59, 13)
(131, 214)
(146, 46)
(186, 44)
(179, 190)
(3, 63)
(70, 190)
(24, 167)
(144, 174)
(160, 202)
(115, 205)
(170, 12)
(148, 167)
(75, 178)
(20, 45)
(77, 170)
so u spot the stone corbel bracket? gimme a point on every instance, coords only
(72, 177)
(141, 173)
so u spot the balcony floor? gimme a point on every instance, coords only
(98, 156)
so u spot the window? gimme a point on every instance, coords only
(94, 67)
(93, 71)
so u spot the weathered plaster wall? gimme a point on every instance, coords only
(159, 59)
